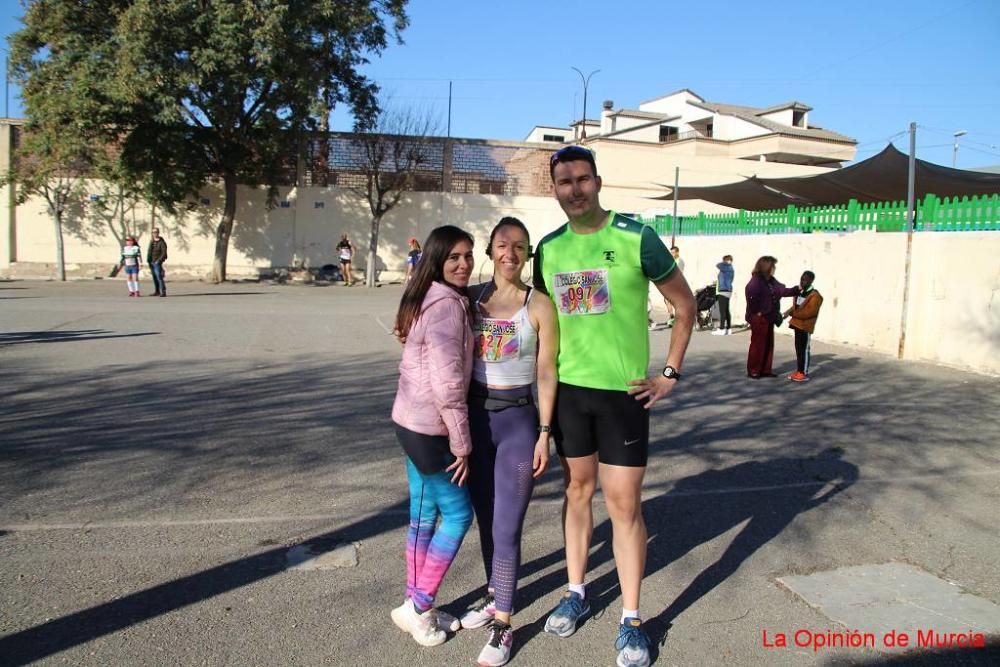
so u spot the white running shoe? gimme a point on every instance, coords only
(481, 614)
(719, 332)
(497, 649)
(422, 627)
(729, 332)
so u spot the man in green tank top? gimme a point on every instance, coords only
(596, 269)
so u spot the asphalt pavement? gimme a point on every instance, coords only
(159, 458)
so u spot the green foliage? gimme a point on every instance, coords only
(177, 92)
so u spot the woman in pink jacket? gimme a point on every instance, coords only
(432, 424)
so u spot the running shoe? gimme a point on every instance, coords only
(497, 649)
(563, 619)
(798, 377)
(422, 627)
(446, 621)
(632, 644)
(481, 614)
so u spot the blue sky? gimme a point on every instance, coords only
(867, 67)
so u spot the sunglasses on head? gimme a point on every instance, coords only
(578, 151)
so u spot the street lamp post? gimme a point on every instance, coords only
(954, 152)
(586, 82)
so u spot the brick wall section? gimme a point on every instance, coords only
(468, 166)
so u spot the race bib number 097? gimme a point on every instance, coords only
(582, 292)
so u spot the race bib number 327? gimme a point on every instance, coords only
(582, 292)
(497, 340)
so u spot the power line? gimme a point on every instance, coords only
(811, 75)
(979, 150)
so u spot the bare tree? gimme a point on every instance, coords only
(113, 209)
(394, 158)
(54, 170)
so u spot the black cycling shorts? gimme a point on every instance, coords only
(429, 453)
(611, 423)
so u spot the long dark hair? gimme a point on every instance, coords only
(430, 268)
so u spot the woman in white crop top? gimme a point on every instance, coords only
(516, 343)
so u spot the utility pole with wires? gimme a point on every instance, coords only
(910, 222)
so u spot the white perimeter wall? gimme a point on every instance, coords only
(953, 318)
(954, 303)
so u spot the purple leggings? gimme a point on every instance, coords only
(500, 483)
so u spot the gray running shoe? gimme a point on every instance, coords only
(632, 644)
(563, 619)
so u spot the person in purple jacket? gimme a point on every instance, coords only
(763, 294)
(431, 414)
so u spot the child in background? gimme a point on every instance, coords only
(412, 257)
(131, 257)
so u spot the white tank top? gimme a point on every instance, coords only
(506, 350)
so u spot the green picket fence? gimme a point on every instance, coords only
(965, 214)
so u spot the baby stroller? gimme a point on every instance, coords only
(704, 300)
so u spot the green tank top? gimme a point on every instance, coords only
(599, 283)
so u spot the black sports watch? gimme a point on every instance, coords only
(671, 373)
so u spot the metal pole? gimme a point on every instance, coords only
(449, 108)
(673, 222)
(586, 82)
(954, 152)
(910, 222)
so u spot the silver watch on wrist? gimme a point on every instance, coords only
(671, 373)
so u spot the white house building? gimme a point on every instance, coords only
(684, 123)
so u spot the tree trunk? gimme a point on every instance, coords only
(60, 250)
(225, 228)
(372, 252)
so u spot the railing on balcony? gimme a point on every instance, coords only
(681, 136)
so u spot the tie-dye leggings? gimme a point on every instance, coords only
(431, 547)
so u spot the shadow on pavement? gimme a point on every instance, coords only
(27, 646)
(171, 295)
(19, 337)
(767, 495)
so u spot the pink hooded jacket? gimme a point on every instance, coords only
(436, 368)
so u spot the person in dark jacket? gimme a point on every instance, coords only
(763, 294)
(155, 257)
(803, 323)
(724, 292)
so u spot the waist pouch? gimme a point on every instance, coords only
(495, 400)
